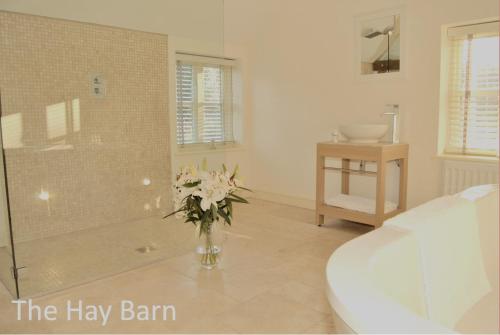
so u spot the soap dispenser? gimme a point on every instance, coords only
(335, 136)
(393, 111)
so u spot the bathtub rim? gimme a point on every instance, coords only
(349, 292)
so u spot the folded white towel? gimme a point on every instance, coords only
(359, 204)
(454, 275)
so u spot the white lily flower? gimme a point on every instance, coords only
(211, 188)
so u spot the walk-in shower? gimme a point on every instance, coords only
(85, 132)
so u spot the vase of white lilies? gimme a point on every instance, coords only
(205, 199)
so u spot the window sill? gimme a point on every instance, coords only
(468, 158)
(197, 150)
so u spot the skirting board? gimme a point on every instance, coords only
(283, 199)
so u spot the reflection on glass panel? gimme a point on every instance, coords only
(63, 120)
(75, 108)
(56, 120)
(12, 131)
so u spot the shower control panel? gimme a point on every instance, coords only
(98, 85)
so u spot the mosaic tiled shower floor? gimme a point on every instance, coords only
(65, 260)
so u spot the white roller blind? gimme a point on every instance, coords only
(473, 90)
(204, 102)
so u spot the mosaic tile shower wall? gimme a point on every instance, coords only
(79, 158)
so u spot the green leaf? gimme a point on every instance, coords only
(197, 206)
(237, 197)
(225, 216)
(193, 220)
(214, 212)
(174, 212)
(235, 172)
(192, 184)
(244, 188)
(238, 201)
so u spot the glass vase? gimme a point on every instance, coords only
(209, 248)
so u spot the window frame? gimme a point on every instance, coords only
(443, 130)
(202, 147)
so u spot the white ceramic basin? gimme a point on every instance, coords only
(364, 133)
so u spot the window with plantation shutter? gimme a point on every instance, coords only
(204, 100)
(473, 90)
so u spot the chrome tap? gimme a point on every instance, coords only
(394, 113)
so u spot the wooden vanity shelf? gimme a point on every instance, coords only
(381, 153)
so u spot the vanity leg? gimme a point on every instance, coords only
(345, 176)
(320, 220)
(320, 187)
(403, 182)
(380, 195)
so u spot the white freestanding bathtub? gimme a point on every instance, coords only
(432, 269)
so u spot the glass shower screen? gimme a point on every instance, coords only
(85, 132)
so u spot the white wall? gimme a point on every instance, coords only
(194, 19)
(297, 70)
(302, 84)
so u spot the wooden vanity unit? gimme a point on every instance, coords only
(381, 153)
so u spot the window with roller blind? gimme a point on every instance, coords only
(204, 100)
(472, 90)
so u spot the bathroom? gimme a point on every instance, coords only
(92, 142)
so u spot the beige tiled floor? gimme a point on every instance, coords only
(271, 279)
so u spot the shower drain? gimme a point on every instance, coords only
(146, 249)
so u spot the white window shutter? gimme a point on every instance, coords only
(473, 92)
(185, 104)
(204, 102)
